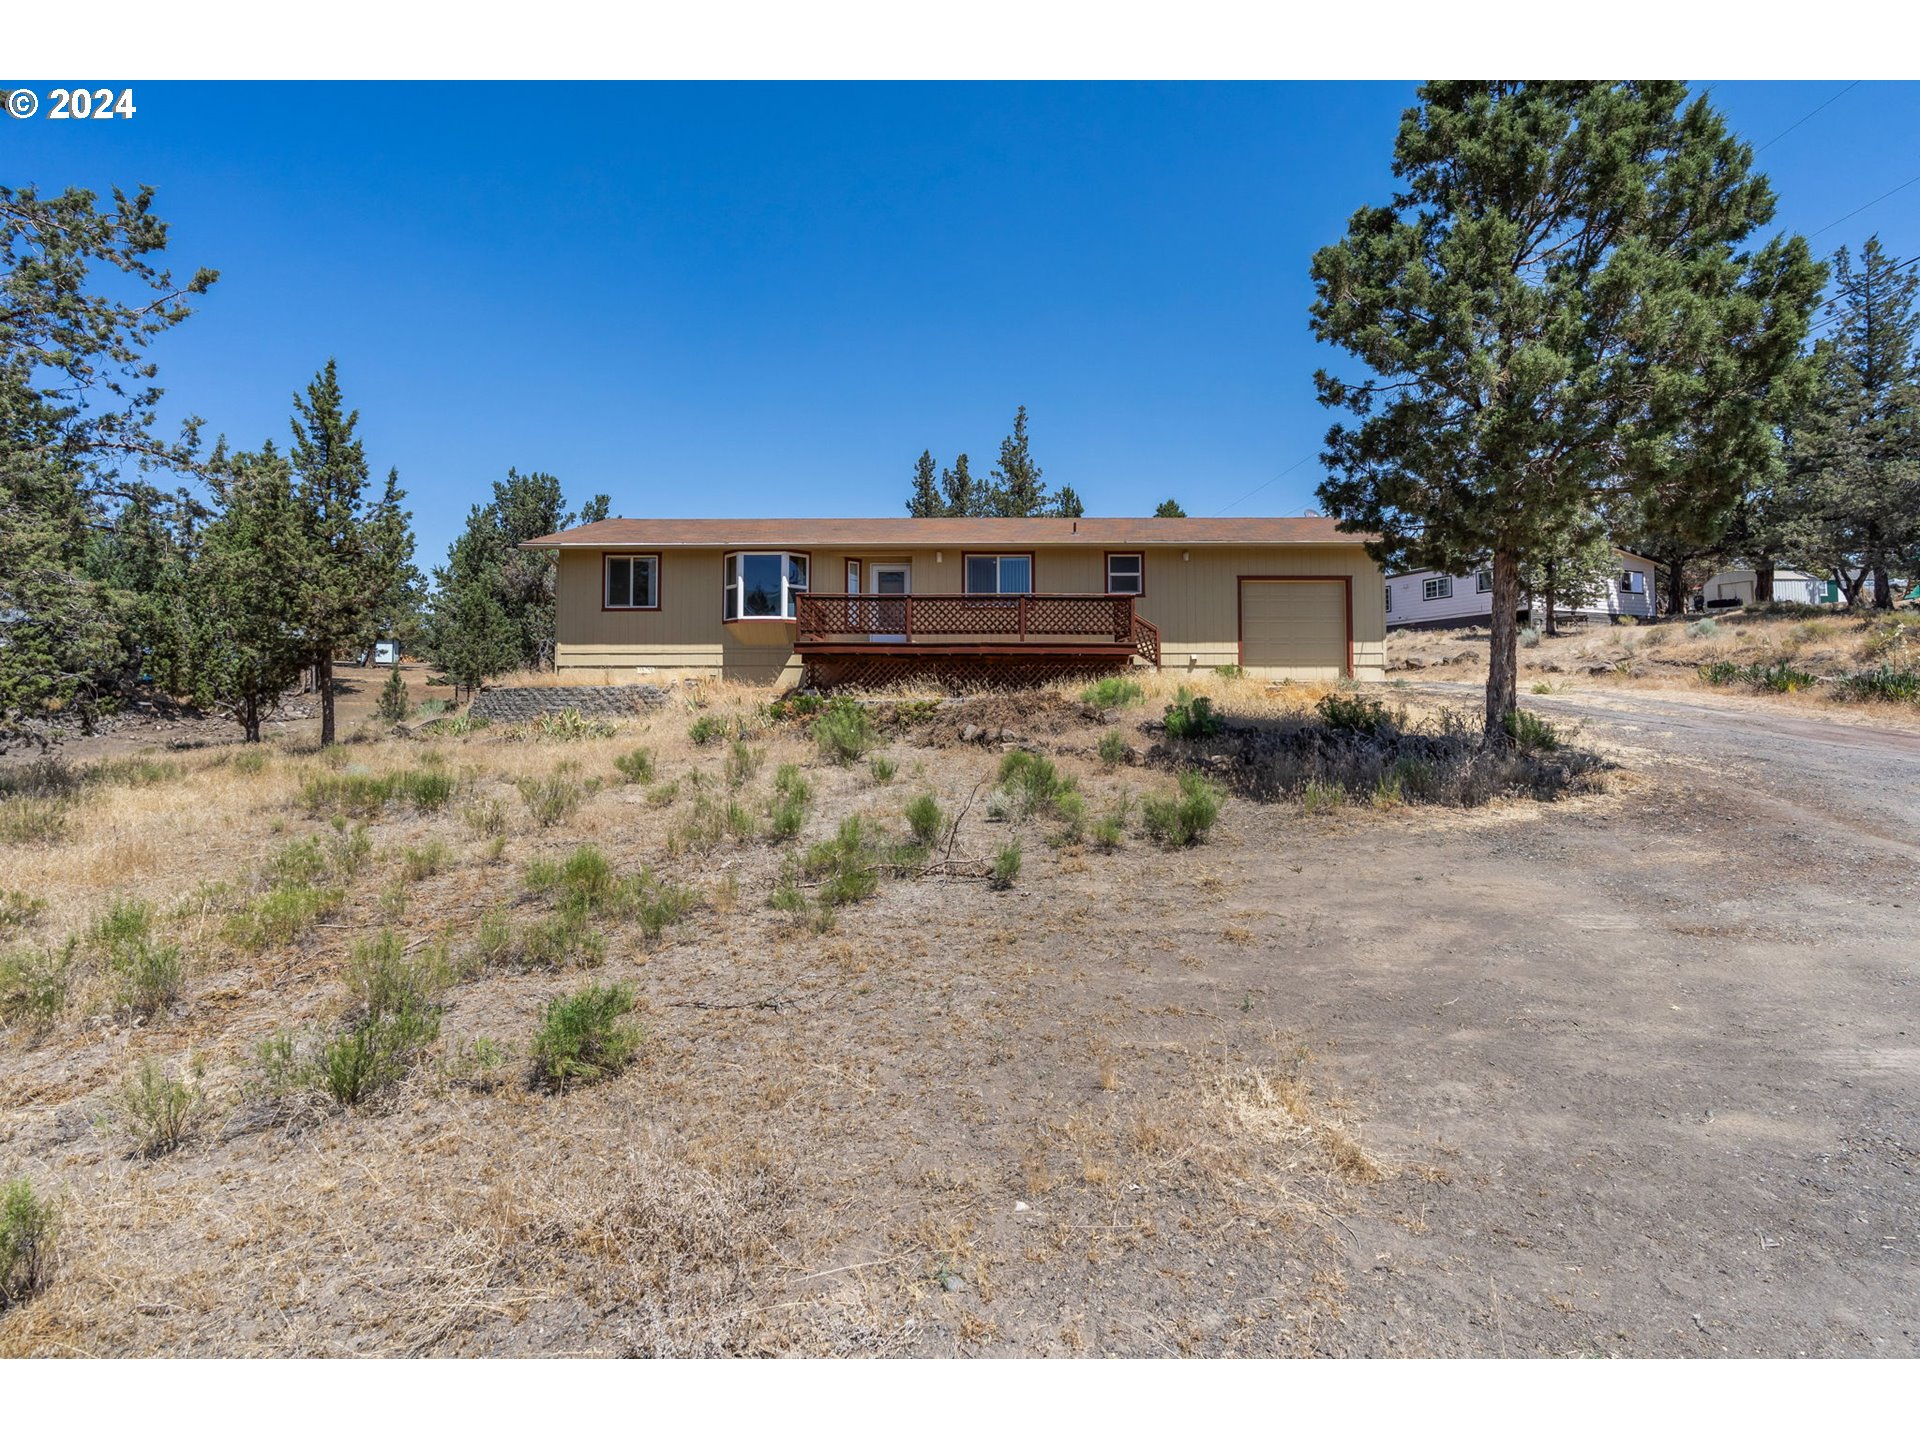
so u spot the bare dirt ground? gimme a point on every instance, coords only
(1630, 1073)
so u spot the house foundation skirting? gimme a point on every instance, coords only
(957, 671)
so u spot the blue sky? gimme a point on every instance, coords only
(767, 299)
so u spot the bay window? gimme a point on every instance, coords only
(762, 585)
(999, 574)
(632, 582)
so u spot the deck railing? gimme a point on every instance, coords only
(987, 619)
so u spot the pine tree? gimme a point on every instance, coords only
(961, 493)
(1066, 503)
(1558, 318)
(470, 635)
(925, 499)
(1169, 510)
(1016, 488)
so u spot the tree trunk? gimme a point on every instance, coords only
(1553, 591)
(1676, 589)
(1503, 660)
(1882, 588)
(323, 678)
(250, 718)
(1763, 582)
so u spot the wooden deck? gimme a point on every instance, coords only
(977, 639)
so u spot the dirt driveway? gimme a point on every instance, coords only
(1671, 1056)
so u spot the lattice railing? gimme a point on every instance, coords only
(1109, 618)
(1146, 641)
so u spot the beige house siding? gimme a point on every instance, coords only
(1192, 595)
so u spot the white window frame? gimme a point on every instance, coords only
(733, 584)
(1389, 599)
(1483, 582)
(1440, 587)
(606, 580)
(1139, 575)
(1633, 582)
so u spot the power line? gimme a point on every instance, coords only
(1839, 313)
(1806, 117)
(1221, 514)
(1868, 206)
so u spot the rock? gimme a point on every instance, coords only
(1413, 662)
(970, 733)
(954, 1282)
(1019, 1205)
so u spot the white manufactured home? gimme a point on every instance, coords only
(1429, 598)
(1735, 587)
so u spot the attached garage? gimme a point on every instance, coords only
(1296, 627)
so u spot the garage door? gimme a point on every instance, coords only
(1294, 629)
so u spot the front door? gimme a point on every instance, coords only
(892, 580)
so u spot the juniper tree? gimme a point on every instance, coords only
(1856, 444)
(1169, 510)
(1559, 318)
(925, 500)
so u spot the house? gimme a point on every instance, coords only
(1012, 600)
(1426, 599)
(1735, 587)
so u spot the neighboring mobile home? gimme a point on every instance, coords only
(1735, 587)
(975, 599)
(1426, 599)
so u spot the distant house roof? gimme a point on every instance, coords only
(1093, 531)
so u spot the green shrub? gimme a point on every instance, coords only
(1112, 692)
(426, 790)
(707, 730)
(1006, 866)
(34, 983)
(1321, 797)
(1357, 715)
(383, 979)
(1887, 682)
(1704, 629)
(1530, 732)
(428, 709)
(795, 705)
(924, 820)
(883, 769)
(562, 939)
(742, 764)
(1032, 784)
(394, 704)
(1230, 672)
(1071, 808)
(1192, 717)
(661, 796)
(847, 866)
(1529, 637)
(1540, 687)
(150, 974)
(486, 817)
(374, 1055)
(635, 767)
(584, 1036)
(1108, 834)
(552, 800)
(282, 914)
(157, 1111)
(569, 724)
(29, 1226)
(787, 811)
(844, 731)
(1186, 818)
(1114, 750)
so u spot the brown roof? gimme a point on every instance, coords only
(1093, 531)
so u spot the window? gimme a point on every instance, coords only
(1126, 575)
(632, 583)
(762, 585)
(1389, 599)
(1483, 582)
(999, 574)
(1633, 582)
(1438, 588)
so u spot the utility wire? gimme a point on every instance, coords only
(1838, 312)
(1868, 206)
(1806, 117)
(1221, 514)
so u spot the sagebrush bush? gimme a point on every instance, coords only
(585, 1036)
(883, 769)
(844, 731)
(1032, 784)
(924, 820)
(742, 764)
(1359, 715)
(707, 730)
(282, 914)
(1114, 750)
(1006, 866)
(1185, 818)
(34, 981)
(1192, 717)
(1704, 629)
(29, 1225)
(553, 799)
(157, 1111)
(1112, 692)
(787, 810)
(635, 767)
(420, 862)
